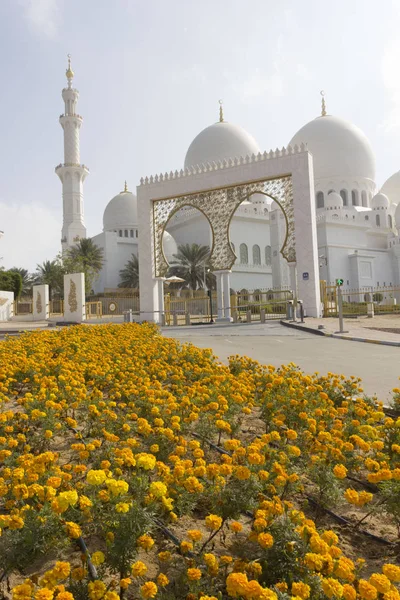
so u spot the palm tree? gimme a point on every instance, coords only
(27, 280)
(87, 254)
(85, 257)
(52, 273)
(130, 274)
(191, 263)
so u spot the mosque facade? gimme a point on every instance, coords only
(358, 224)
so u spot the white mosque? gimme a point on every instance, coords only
(358, 225)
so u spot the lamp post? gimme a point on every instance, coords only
(208, 292)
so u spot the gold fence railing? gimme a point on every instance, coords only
(386, 300)
(93, 310)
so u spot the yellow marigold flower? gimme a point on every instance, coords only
(225, 559)
(158, 489)
(138, 569)
(111, 596)
(366, 590)
(98, 558)
(236, 584)
(22, 591)
(61, 570)
(145, 541)
(125, 582)
(147, 462)
(349, 593)
(73, 529)
(117, 487)
(122, 507)
(195, 535)
(186, 547)
(391, 571)
(340, 471)
(193, 574)
(380, 582)
(78, 573)
(162, 580)
(15, 522)
(301, 589)
(44, 594)
(332, 587)
(242, 473)
(235, 526)
(291, 434)
(96, 590)
(351, 496)
(65, 596)
(213, 522)
(164, 556)
(265, 540)
(148, 590)
(96, 477)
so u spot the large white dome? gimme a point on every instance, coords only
(391, 188)
(121, 212)
(218, 142)
(339, 148)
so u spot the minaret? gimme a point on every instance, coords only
(71, 173)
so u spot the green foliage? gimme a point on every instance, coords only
(191, 263)
(85, 257)
(51, 272)
(11, 281)
(27, 280)
(130, 274)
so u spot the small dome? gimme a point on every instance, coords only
(339, 148)
(380, 201)
(334, 200)
(397, 217)
(121, 212)
(391, 188)
(170, 246)
(220, 141)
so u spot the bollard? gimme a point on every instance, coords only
(248, 316)
(235, 316)
(289, 310)
(163, 323)
(175, 319)
(301, 310)
(187, 318)
(370, 310)
(262, 315)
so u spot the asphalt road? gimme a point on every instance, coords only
(272, 343)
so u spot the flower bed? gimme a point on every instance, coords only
(132, 466)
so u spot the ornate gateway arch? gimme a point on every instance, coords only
(217, 190)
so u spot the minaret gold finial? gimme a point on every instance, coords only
(221, 111)
(126, 187)
(69, 72)
(323, 105)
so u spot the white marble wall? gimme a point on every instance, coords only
(6, 305)
(74, 298)
(41, 302)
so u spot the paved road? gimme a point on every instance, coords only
(272, 343)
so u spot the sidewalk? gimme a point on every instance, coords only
(378, 330)
(10, 327)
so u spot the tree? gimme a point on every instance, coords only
(191, 262)
(85, 257)
(129, 275)
(27, 280)
(10, 281)
(51, 272)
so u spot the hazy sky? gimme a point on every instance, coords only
(150, 74)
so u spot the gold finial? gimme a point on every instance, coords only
(125, 187)
(221, 111)
(69, 72)
(323, 105)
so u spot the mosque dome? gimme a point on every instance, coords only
(339, 148)
(334, 200)
(170, 246)
(391, 188)
(380, 201)
(121, 212)
(220, 141)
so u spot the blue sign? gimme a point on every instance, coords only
(306, 276)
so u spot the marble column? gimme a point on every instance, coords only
(220, 307)
(227, 294)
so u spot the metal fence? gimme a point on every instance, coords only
(386, 300)
(116, 305)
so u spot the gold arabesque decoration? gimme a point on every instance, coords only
(219, 206)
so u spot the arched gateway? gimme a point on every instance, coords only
(217, 190)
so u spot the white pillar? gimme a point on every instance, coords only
(220, 307)
(293, 279)
(227, 295)
(74, 298)
(41, 302)
(160, 294)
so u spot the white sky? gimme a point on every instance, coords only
(150, 75)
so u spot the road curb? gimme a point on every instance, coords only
(337, 336)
